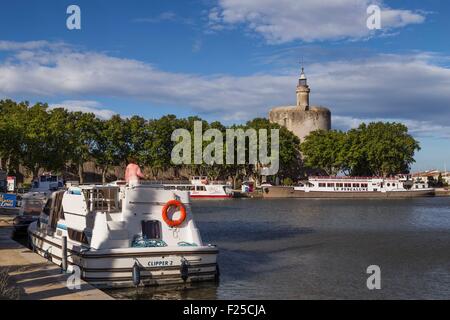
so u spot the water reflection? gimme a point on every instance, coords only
(196, 291)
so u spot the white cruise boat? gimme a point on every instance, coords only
(200, 187)
(115, 231)
(401, 186)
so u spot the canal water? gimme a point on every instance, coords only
(320, 249)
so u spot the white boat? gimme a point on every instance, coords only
(200, 187)
(32, 202)
(401, 186)
(113, 230)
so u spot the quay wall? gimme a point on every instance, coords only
(34, 277)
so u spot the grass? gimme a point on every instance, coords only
(7, 289)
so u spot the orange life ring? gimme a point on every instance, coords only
(165, 210)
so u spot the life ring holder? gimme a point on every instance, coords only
(165, 211)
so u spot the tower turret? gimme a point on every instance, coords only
(303, 92)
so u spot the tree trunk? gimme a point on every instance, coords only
(80, 173)
(8, 164)
(36, 172)
(104, 171)
(155, 173)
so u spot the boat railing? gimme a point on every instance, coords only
(104, 199)
(218, 182)
(164, 182)
(177, 182)
(343, 178)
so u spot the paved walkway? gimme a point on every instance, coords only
(35, 277)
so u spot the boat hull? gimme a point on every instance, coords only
(114, 267)
(290, 192)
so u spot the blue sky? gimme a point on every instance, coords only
(233, 60)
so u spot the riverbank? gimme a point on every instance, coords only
(34, 277)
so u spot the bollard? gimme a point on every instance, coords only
(64, 254)
(184, 270)
(136, 274)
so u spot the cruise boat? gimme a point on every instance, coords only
(401, 186)
(32, 202)
(119, 233)
(201, 188)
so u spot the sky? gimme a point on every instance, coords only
(233, 60)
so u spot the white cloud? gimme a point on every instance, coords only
(281, 21)
(409, 87)
(12, 46)
(87, 106)
(29, 45)
(167, 16)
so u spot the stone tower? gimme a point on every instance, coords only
(302, 119)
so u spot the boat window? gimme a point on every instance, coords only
(78, 236)
(322, 185)
(151, 229)
(330, 185)
(364, 185)
(356, 185)
(339, 185)
(388, 184)
(348, 185)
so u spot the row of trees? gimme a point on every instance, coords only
(39, 138)
(376, 149)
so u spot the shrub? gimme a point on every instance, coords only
(7, 290)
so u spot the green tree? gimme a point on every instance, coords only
(12, 133)
(35, 147)
(112, 147)
(387, 148)
(84, 129)
(325, 150)
(380, 149)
